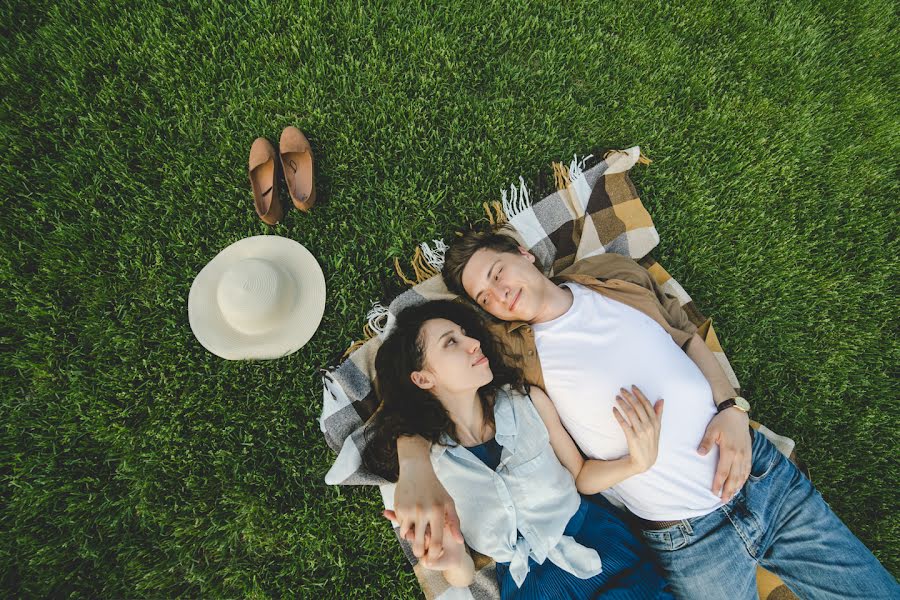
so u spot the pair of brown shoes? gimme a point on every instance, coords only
(296, 164)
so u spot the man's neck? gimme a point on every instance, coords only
(557, 301)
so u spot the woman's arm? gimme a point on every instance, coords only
(566, 450)
(421, 501)
(641, 429)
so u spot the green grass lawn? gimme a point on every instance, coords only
(137, 464)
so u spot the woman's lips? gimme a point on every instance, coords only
(480, 361)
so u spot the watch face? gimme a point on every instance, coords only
(742, 404)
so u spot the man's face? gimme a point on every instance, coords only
(504, 284)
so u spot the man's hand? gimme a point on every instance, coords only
(422, 505)
(453, 549)
(730, 429)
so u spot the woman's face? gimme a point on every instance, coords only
(453, 361)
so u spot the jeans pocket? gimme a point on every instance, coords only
(765, 456)
(665, 540)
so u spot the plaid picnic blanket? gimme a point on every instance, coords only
(594, 209)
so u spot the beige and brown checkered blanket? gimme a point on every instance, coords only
(594, 209)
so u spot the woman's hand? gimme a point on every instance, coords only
(641, 423)
(454, 561)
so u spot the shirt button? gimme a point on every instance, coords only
(531, 353)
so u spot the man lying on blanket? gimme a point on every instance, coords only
(720, 498)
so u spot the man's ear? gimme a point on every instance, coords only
(422, 379)
(528, 255)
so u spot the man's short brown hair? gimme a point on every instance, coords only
(461, 250)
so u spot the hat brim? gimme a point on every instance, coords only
(300, 322)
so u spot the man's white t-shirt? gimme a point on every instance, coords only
(599, 346)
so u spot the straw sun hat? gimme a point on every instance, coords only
(262, 297)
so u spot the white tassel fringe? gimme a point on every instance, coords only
(375, 316)
(518, 200)
(435, 257)
(576, 167)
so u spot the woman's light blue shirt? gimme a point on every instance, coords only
(522, 508)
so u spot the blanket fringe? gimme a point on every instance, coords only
(642, 158)
(401, 274)
(353, 348)
(422, 269)
(518, 200)
(377, 318)
(495, 218)
(435, 258)
(426, 262)
(560, 176)
(576, 167)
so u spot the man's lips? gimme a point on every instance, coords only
(515, 300)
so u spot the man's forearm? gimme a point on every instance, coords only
(699, 352)
(412, 448)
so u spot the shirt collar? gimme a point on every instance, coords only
(504, 430)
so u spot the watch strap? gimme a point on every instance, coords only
(725, 405)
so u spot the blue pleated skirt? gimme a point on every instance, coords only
(628, 567)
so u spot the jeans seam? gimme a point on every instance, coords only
(750, 547)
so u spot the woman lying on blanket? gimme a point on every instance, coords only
(513, 471)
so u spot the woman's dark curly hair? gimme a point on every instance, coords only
(407, 409)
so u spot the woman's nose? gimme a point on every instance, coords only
(474, 345)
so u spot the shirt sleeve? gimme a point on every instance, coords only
(617, 266)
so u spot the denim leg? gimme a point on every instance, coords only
(804, 542)
(704, 558)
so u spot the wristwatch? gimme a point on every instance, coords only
(737, 402)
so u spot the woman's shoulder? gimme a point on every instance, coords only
(509, 392)
(512, 401)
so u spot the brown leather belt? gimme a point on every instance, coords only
(654, 525)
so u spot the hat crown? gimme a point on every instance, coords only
(254, 294)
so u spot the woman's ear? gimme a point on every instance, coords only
(422, 379)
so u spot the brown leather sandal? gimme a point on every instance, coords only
(264, 182)
(297, 165)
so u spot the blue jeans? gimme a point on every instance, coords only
(778, 520)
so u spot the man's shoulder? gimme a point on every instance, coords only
(603, 267)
